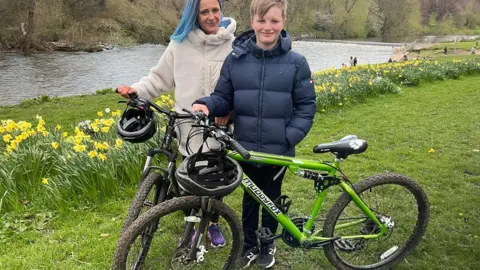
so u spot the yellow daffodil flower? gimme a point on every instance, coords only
(54, 145)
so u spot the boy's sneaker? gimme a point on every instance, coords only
(249, 257)
(267, 255)
(216, 236)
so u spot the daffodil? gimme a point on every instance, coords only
(10, 126)
(105, 145)
(54, 145)
(92, 154)
(102, 156)
(79, 148)
(431, 150)
(118, 143)
(95, 127)
(116, 113)
(7, 137)
(100, 114)
(109, 122)
(58, 127)
(105, 129)
(18, 139)
(45, 181)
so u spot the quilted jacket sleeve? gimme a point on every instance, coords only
(304, 103)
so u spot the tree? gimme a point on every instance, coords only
(28, 41)
(375, 20)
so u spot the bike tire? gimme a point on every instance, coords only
(170, 206)
(153, 181)
(398, 255)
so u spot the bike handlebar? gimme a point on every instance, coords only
(143, 104)
(213, 131)
(220, 135)
(237, 147)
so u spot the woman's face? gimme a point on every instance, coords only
(209, 16)
(268, 28)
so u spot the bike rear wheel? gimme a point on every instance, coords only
(172, 242)
(397, 202)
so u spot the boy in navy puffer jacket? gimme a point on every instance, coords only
(269, 87)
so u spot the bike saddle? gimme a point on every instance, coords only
(344, 147)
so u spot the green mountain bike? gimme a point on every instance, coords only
(374, 224)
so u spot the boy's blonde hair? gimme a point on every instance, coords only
(261, 7)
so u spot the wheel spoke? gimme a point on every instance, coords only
(392, 198)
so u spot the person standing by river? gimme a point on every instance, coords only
(271, 91)
(191, 64)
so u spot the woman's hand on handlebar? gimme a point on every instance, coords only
(200, 108)
(125, 90)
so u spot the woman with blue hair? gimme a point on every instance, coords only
(191, 64)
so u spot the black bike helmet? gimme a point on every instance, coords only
(137, 125)
(209, 174)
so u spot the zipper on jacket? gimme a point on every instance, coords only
(260, 110)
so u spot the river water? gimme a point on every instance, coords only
(67, 74)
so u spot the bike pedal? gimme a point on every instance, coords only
(147, 204)
(283, 203)
(265, 235)
(322, 243)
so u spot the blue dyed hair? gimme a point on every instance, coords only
(188, 22)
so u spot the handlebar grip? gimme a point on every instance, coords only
(130, 96)
(242, 151)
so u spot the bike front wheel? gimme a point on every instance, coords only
(152, 191)
(171, 244)
(398, 202)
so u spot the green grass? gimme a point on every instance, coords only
(400, 130)
(467, 45)
(459, 50)
(63, 111)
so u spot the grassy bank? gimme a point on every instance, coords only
(459, 50)
(337, 88)
(429, 132)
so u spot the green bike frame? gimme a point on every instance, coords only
(296, 166)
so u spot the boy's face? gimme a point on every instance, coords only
(268, 28)
(209, 16)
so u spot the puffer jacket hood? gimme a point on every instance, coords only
(246, 43)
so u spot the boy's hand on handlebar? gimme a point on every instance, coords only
(124, 91)
(200, 108)
(222, 121)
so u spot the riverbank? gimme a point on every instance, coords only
(436, 50)
(63, 47)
